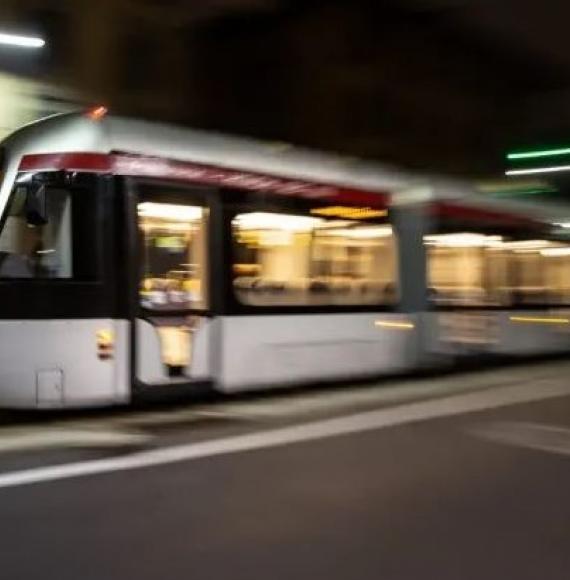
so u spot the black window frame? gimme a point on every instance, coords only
(177, 192)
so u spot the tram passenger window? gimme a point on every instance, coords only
(283, 259)
(37, 251)
(173, 255)
(475, 269)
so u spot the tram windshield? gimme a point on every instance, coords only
(37, 250)
(50, 229)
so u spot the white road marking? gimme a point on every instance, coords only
(356, 423)
(550, 438)
(20, 439)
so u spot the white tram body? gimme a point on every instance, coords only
(138, 258)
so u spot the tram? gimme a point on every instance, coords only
(140, 259)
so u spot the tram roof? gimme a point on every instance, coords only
(77, 132)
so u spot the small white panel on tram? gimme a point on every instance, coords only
(49, 387)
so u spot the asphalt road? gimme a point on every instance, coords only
(479, 495)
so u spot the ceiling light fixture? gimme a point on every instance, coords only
(551, 169)
(21, 41)
(539, 153)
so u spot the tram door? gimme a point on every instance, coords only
(171, 327)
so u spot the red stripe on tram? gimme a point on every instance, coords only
(146, 166)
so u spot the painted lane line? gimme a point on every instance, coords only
(350, 424)
(535, 436)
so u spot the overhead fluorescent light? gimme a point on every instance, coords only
(550, 169)
(22, 41)
(539, 153)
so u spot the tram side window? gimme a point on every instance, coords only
(174, 255)
(469, 268)
(283, 259)
(40, 250)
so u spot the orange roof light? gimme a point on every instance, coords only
(97, 113)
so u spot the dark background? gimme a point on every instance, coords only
(439, 85)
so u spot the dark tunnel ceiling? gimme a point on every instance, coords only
(431, 84)
(446, 85)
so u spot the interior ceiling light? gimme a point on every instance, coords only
(169, 211)
(360, 233)
(466, 240)
(555, 252)
(526, 244)
(276, 221)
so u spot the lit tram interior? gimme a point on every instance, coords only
(173, 255)
(283, 259)
(476, 269)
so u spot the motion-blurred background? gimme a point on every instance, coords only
(444, 85)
